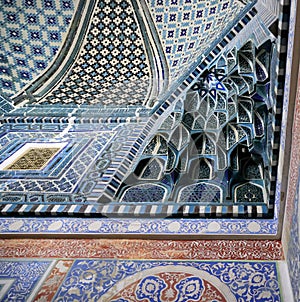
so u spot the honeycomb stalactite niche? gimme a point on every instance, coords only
(218, 152)
(149, 110)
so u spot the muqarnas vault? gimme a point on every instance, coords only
(167, 108)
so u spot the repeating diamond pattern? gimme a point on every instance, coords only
(187, 28)
(112, 67)
(31, 33)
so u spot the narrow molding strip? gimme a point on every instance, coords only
(142, 249)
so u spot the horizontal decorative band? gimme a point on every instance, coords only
(143, 249)
(154, 210)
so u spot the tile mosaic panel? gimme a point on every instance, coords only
(294, 154)
(293, 256)
(33, 159)
(32, 32)
(130, 280)
(81, 149)
(23, 276)
(213, 149)
(53, 281)
(230, 90)
(123, 62)
(5, 105)
(90, 153)
(112, 67)
(118, 280)
(188, 29)
(130, 226)
(142, 249)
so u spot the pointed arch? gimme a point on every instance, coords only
(144, 193)
(252, 170)
(157, 146)
(150, 168)
(212, 123)
(180, 137)
(171, 121)
(204, 144)
(192, 101)
(200, 193)
(245, 110)
(202, 168)
(249, 193)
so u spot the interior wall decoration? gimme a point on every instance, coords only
(32, 34)
(156, 281)
(148, 280)
(293, 258)
(143, 112)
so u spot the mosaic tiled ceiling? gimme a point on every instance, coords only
(32, 32)
(165, 108)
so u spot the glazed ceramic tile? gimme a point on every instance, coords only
(20, 279)
(293, 256)
(32, 33)
(53, 281)
(117, 280)
(163, 109)
(142, 249)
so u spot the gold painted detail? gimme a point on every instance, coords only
(33, 159)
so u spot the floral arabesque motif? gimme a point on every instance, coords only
(247, 281)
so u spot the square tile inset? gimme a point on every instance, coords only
(32, 156)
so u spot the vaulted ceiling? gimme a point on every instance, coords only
(144, 109)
